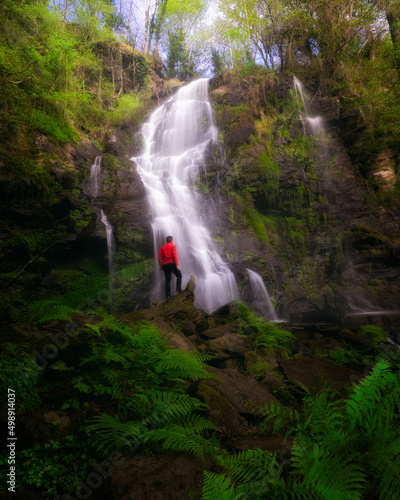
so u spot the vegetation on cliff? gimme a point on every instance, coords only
(94, 388)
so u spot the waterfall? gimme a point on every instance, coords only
(313, 125)
(262, 301)
(94, 176)
(175, 140)
(110, 242)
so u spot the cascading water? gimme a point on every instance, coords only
(314, 125)
(110, 242)
(262, 302)
(176, 138)
(94, 176)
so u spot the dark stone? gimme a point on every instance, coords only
(159, 477)
(316, 373)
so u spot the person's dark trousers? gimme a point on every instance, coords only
(168, 270)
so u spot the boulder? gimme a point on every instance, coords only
(159, 477)
(221, 412)
(246, 394)
(229, 345)
(317, 373)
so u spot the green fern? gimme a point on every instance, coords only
(110, 432)
(185, 436)
(115, 325)
(43, 311)
(172, 407)
(218, 487)
(368, 396)
(184, 364)
(246, 465)
(331, 476)
(280, 416)
(108, 352)
(386, 467)
(61, 366)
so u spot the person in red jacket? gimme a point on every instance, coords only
(168, 260)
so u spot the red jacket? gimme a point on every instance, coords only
(167, 254)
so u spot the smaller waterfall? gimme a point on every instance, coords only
(262, 301)
(94, 176)
(313, 125)
(110, 242)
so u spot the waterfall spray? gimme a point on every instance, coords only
(176, 138)
(262, 301)
(94, 176)
(110, 242)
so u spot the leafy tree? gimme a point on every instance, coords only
(179, 61)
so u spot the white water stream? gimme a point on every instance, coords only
(110, 242)
(313, 125)
(175, 139)
(262, 301)
(94, 176)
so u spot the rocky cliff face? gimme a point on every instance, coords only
(298, 211)
(304, 217)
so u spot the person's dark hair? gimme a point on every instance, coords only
(169, 239)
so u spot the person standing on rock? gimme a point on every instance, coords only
(168, 260)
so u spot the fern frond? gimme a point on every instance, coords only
(171, 406)
(281, 417)
(107, 352)
(185, 437)
(385, 462)
(255, 467)
(115, 325)
(111, 432)
(218, 487)
(61, 366)
(95, 328)
(324, 419)
(183, 364)
(59, 312)
(368, 395)
(331, 476)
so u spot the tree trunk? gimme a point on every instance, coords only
(146, 26)
(129, 18)
(394, 26)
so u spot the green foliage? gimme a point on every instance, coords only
(180, 63)
(130, 369)
(32, 241)
(43, 311)
(342, 449)
(19, 372)
(218, 486)
(80, 289)
(58, 130)
(373, 332)
(131, 107)
(267, 335)
(269, 171)
(55, 467)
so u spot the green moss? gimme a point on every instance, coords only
(220, 409)
(376, 334)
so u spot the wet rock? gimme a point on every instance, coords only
(161, 477)
(221, 412)
(55, 418)
(246, 394)
(316, 373)
(229, 345)
(219, 331)
(262, 364)
(267, 356)
(383, 170)
(179, 341)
